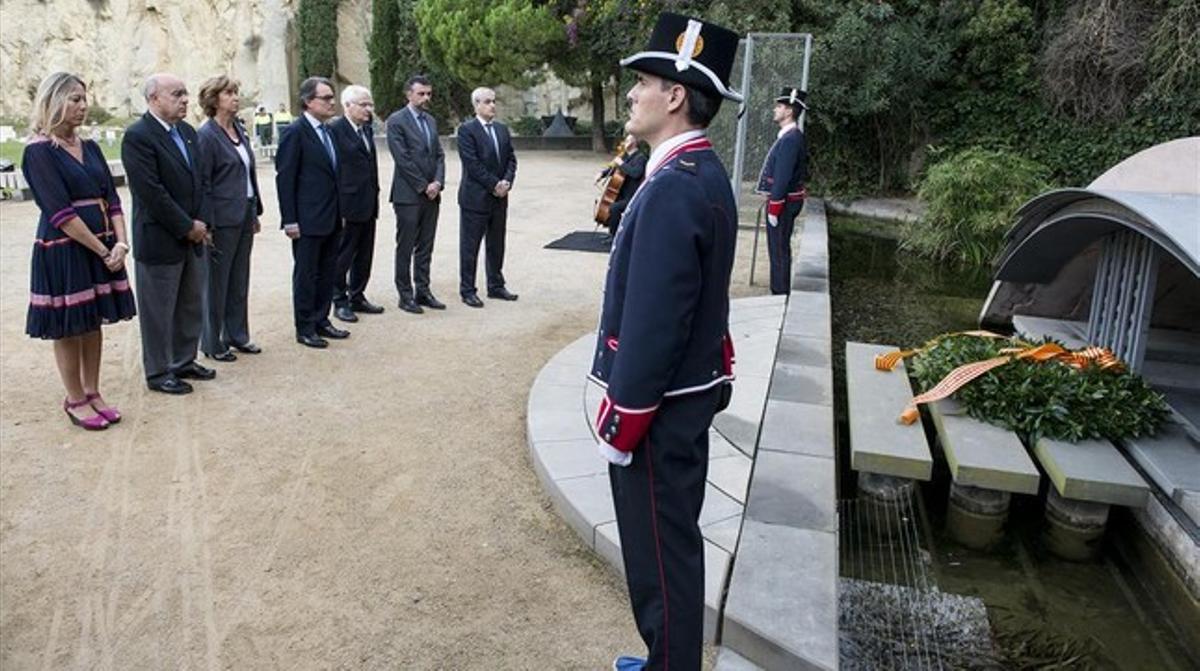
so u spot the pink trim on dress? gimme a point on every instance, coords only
(63, 216)
(79, 297)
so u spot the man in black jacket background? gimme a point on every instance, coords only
(489, 167)
(306, 179)
(358, 192)
(160, 155)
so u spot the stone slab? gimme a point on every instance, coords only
(878, 442)
(799, 428)
(563, 459)
(804, 351)
(809, 316)
(573, 373)
(546, 396)
(983, 455)
(724, 533)
(719, 447)
(717, 505)
(794, 490)
(781, 609)
(741, 433)
(608, 546)
(802, 384)
(585, 503)
(716, 575)
(1091, 470)
(543, 425)
(1171, 458)
(731, 475)
(728, 660)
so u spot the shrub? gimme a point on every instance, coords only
(318, 35)
(529, 126)
(971, 198)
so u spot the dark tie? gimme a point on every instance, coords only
(181, 144)
(328, 145)
(495, 143)
(365, 132)
(425, 129)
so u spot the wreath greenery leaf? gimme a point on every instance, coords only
(1044, 399)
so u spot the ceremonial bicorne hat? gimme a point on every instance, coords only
(791, 96)
(689, 51)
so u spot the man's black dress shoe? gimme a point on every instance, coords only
(331, 331)
(473, 301)
(345, 313)
(196, 372)
(225, 356)
(409, 305)
(430, 302)
(169, 384)
(502, 294)
(312, 340)
(248, 348)
(365, 306)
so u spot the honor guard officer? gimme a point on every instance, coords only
(782, 181)
(663, 352)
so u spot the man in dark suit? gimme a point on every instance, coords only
(306, 179)
(489, 168)
(663, 352)
(161, 161)
(782, 179)
(417, 184)
(358, 191)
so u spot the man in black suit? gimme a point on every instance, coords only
(489, 167)
(306, 179)
(161, 161)
(358, 191)
(416, 193)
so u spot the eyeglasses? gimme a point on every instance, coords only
(329, 98)
(358, 104)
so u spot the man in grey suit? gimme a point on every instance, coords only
(163, 166)
(416, 193)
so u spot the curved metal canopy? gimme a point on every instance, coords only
(1052, 228)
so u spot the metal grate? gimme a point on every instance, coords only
(1123, 296)
(891, 614)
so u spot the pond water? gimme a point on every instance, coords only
(1044, 612)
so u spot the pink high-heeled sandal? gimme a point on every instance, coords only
(108, 412)
(94, 423)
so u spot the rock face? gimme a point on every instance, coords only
(114, 44)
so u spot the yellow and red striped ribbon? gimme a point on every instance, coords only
(1101, 357)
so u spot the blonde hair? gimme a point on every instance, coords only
(211, 90)
(50, 104)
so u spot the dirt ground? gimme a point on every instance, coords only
(367, 506)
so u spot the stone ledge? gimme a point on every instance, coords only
(1091, 470)
(878, 442)
(982, 455)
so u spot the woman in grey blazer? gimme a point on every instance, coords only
(233, 205)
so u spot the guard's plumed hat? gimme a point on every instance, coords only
(792, 96)
(691, 52)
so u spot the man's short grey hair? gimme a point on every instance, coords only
(353, 92)
(308, 89)
(150, 86)
(477, 94)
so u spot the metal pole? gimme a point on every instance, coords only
(739, 151)
(758, 217)
(804, 74)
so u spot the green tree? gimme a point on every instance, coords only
(318, 35)
(384, 56)
(489, 43)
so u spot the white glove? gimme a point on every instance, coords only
(772, 220)
(614, 456)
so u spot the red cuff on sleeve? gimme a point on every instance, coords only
(728, 356)
(775, 207)
(623, 428)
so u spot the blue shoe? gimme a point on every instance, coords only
(627, 663)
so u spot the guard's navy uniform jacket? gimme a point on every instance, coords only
(664, 326)
(782, 180)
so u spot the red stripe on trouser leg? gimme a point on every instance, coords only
(662, 576)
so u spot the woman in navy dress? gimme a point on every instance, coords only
(77, 276)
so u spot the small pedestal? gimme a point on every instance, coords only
(884, 500)
(976, 516)
(1074, 529)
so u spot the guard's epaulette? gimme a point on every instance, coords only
(686, 165)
